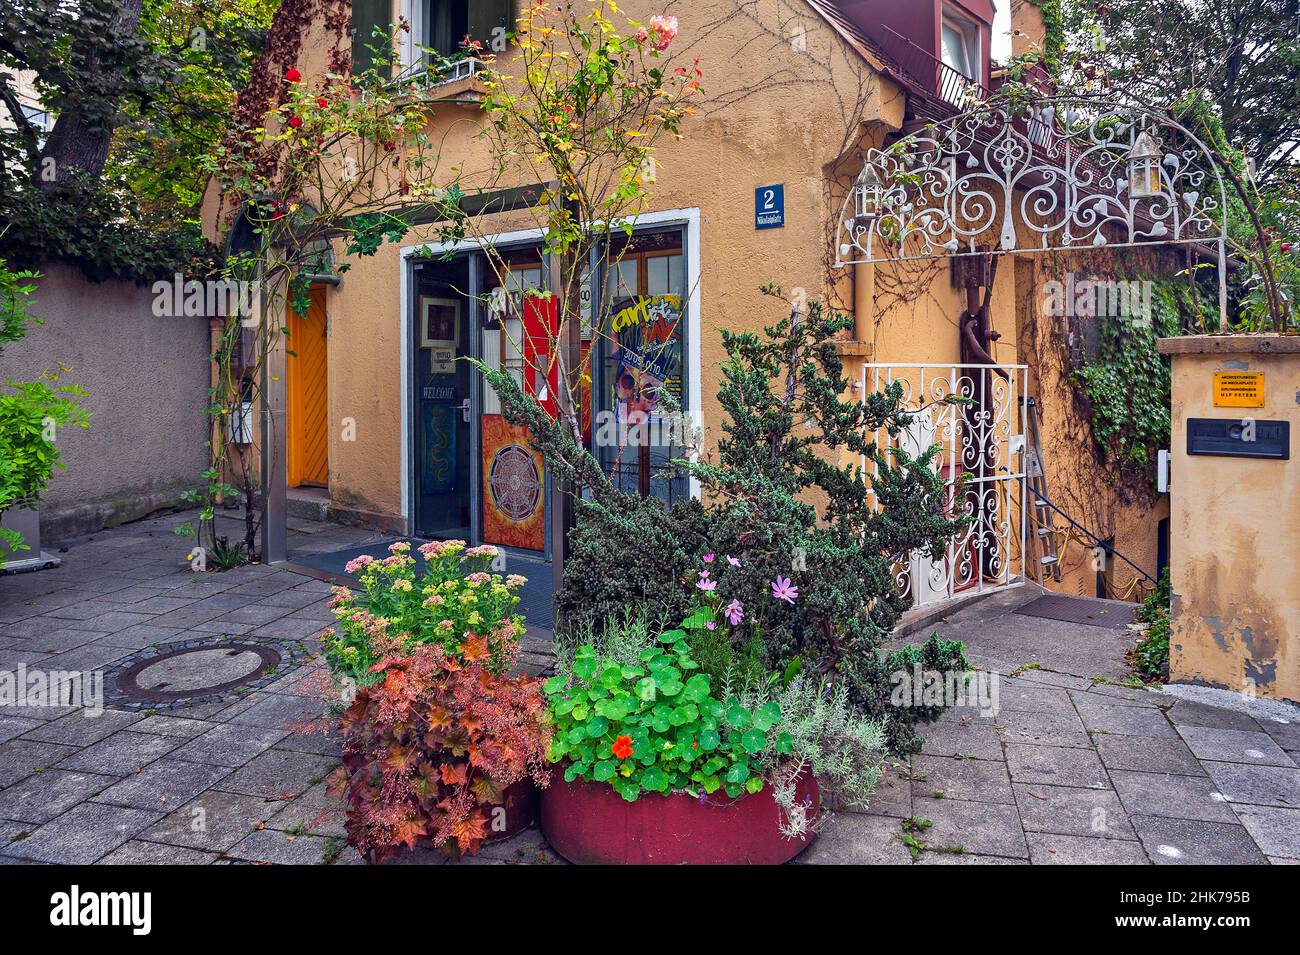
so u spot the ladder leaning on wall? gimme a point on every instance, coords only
(1043, 536)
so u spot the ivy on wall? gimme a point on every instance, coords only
(1054, 33)
(1125, 383)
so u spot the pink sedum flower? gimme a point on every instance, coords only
(357, 563)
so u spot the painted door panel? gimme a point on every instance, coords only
(307, 373)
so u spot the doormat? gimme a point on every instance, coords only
(1085, 610)
(534, 597)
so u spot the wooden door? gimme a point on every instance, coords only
(308, 367)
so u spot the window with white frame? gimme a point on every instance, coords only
(959, 45)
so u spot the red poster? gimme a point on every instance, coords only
(541, 371)
(514, 487)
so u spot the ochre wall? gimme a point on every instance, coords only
(1079, 479)
(1236, 527)
(777, 114)
(770, 113)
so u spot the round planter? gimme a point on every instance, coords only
(590, 824)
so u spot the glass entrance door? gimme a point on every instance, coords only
(443, 402)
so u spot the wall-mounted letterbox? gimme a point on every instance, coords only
(1239, 438)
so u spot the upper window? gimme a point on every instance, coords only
(449, 23)
(960, 46)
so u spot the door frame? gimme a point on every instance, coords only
(688, 219)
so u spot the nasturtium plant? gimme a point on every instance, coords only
(655, 725)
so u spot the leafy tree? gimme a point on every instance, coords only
(138, 90)
(1241, 55)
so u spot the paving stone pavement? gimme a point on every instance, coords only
(1071, 769)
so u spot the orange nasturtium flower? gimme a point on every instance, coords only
(623, 747)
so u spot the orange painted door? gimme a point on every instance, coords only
(308, 395)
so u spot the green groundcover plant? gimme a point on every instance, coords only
(639, 712)
(456, 604)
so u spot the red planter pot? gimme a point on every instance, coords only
(590, 824)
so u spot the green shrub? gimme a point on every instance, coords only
(1151, 656)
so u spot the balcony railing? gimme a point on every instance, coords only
(932, 76)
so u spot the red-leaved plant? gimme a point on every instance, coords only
(430, 749)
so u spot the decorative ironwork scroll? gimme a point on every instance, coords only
(1046, 174)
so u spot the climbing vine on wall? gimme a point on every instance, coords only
(1053, 33)
(1125, 382)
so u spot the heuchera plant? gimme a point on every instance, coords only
(456, 604)
(430, 749)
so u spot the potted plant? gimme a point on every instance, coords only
(441, 746)
(666, 760)
(31, 414)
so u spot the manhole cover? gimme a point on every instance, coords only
(190, 672)
(1094, 613)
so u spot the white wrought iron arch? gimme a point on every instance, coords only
(1020, 174)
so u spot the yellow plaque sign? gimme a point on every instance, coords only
(1239, 389)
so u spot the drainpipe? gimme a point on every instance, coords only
(864, 300)
(275, 451)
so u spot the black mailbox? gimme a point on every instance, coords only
(1239, 438)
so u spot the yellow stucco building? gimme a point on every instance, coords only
(402, 438)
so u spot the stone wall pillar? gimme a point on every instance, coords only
(1235, 513)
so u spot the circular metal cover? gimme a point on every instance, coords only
(190, 672)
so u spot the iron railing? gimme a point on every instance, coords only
(934, 76)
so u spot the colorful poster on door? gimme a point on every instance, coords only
(647, 345)
(514, 487)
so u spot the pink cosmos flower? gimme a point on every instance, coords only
(783, 589)
(707, 558)
(734, 612)
(664, 30)
(708, 586)
(732, 561)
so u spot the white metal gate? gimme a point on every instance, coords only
(982, 444)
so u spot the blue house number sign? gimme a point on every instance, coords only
(769, 206)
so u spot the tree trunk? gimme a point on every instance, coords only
(77, 143)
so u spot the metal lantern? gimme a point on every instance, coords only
(867, 197)
(1144, 167)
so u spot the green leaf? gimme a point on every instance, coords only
(737, 715)
(710, 740)
(754, 784)
(603, 771)
(654, 779)
(555, 684)
(753, 740)
(738, 772)
(767, 716)
(784, 744)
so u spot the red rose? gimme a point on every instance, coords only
(292, 74)
(389, 145)
(322, 102)
(1285, 247)
(295, 121)
(623, 747)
